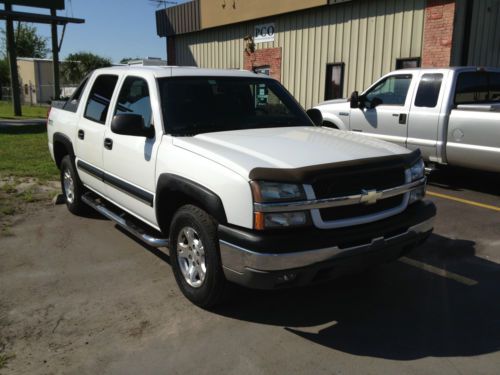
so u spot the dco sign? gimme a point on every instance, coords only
(264, 33)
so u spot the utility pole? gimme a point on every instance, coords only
(55, 55)
(14, 78)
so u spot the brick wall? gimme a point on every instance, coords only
(264, 57)
(438, 33)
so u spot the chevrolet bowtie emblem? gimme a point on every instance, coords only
(370, 196)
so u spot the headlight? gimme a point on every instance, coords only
(417, 194)
(278, 192)
(285, 219)
(417, 170)
(264, 191)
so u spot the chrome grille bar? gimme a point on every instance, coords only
(337, 201)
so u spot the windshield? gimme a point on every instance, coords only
(193, 105)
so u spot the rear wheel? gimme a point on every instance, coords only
(71, 187)
(194, 252)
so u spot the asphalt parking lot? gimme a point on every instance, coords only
(79, 296)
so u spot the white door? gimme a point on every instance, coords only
(425, 115)
(129, 160)
(384, 109)
(91, 129)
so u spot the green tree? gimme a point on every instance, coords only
(78, 65)
(125, 60)
(28, 42)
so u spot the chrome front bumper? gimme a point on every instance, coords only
(237, 260)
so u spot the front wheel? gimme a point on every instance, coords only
(195, 258)
(71, 187)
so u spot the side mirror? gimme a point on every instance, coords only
(354, 99)
(375, 102)
(315, 116)
(131, 124)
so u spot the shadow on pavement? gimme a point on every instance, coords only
(458, 179)
(397, 311)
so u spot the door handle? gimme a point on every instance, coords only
(81, 134)
(402, 118)
(108, 143)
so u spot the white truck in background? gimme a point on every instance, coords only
(452, 115)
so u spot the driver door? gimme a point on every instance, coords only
(384, 109)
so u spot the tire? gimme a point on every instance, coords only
(72, 187)
(195, 257)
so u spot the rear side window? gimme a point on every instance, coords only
(477, 87)
(428, 90)
(100, 97)
(72, 103)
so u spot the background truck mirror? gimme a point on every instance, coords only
(354, 99)
(315, 116)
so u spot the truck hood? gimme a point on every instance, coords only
(335, 104)
(335, 101)
(288, 147)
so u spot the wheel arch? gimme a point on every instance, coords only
(174, 191)
(62, 146)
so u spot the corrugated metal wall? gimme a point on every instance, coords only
(484, 47)
(182, 18)
(366, 35)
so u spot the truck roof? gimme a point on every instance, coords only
(452, 68)
(180, 71)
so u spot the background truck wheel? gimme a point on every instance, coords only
(195, 258)
(71, 187)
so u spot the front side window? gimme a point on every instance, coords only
(193, 105)
(390, 91)
(134, 99)
(477, 87)
(100, 97)
(428, 90)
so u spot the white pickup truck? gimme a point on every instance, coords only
(226, 170)
(452, 115)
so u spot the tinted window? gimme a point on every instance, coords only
(334, 81)
(74, 100)
(477, 87)
(410, 63)
(428, 90)
(134, 98)
(193, 105)
(100, 97)
(390, 91)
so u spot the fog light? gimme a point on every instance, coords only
(417, 195)
(287, 277)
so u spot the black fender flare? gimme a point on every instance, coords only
(177, 186)
(64, 140)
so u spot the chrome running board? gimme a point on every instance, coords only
(139, 230)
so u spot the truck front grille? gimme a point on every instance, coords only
(351, 182)
(357, 210)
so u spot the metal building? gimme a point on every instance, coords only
(325, 49)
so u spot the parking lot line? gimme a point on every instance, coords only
(466, 201)
(438, 271)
